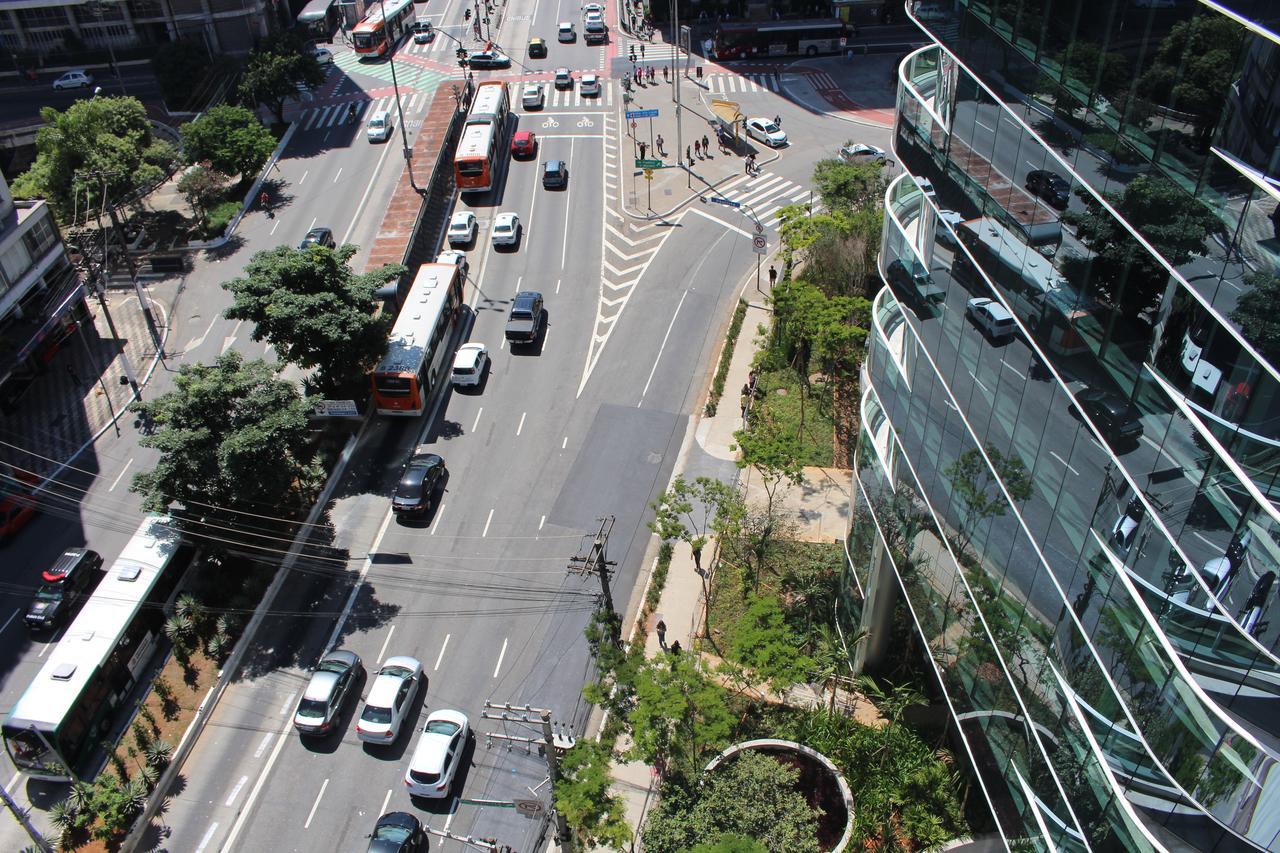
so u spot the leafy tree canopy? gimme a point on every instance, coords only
(1256, 312)
(752, 796)
(690, 511)
(730, 843)
(595, 816)
(831, 329)
(679, 713)
(846, 186)
(315, 312)
(203, 187)
(1192, 64)
(763, 642)
(230, 139)
(977, 485)
(231, 436)
(275, 71)
(95, 139)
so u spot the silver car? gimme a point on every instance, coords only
(332, 683)
(390, 699)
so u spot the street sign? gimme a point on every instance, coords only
(648, 164)
(759, 228)
(648, 174)
(633, 125)
(760, 244)
(642, 114)
(717, 199)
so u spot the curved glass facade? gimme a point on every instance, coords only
(1067, 468)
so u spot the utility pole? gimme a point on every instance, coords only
(596, 562)
(97, 282)
(554, 740)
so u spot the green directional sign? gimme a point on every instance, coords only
(648, 164)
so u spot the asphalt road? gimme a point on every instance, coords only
(21, 101)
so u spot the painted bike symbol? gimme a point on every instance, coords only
(550, 122)
(584, 122)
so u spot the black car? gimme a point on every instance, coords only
(525, 320)
(488, 59)
(422, 478)
(537, 48)
(317, 237)
(1114, 416)
(67, 583)
(397, 832)
(555, 174)
(1050, 186)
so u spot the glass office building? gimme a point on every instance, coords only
(1066, 478)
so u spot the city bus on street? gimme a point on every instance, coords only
(490, 104)
(474, 161)
(769, 39)
(17, 498)
(419, 351)
(54, 730)
(377, 35)
(318, 20)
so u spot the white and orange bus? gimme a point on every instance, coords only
(474, 161)
(419, 350)
(489, 104)
(377, 35)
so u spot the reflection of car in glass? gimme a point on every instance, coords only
(915, 280)
(766, 131)
(327, 692)
(74, 80)
(438, 754)
(321, 55)
(1116, 418)
(524, 144)
(397, 832)
(1050, 186)
(953, 219)
(990, 317)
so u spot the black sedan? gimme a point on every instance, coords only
(488, 59)
(423, 476)
(1050, 186)
(317, 237)
(397, 832)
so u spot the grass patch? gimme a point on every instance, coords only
(726, 355)
(806, 419)
(219, 218)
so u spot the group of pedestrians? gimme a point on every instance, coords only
(701, 149)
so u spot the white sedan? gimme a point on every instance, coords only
(589, 85)
(438, 754)
(766, 131)
(390, 699)
(322, 55)
(74, 80)
(861, 152)
(469, 363)
(462, 228)
(531, 96)
(506, 229)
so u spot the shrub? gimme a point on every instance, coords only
(220, 217)
(726, 355)
(158, 753)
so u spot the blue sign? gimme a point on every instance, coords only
(716, 199)
(642, 114)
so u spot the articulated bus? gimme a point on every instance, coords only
(489, 104)
(420, 350)
(54, 729)
(766, 39)
(378, 36)
(474, 161)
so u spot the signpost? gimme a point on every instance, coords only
(634, 114)
(717, 199)
(760, 244)
(649, 164)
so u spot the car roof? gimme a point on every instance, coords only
(553, 165)
(461, 215)
(523, 134)
(528, 295)
(385, 687)
(505, 216)
(321, 685)
(343, 656)
(998, 311)
(467, 355)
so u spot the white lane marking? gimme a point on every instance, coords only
(658, 357)
(541, 522)
(442, 648)
(51, 644)
(288, 703)
(235, 792)
(453, 810)
(519, 281)
(520, 426)
(1016, 371)
(486, 524)
(364, 199)
(120, 476)
(195, 342)
(262, 747)
(383, 651)
(208, 835)
(978, 381)
(304, 177)
(546, 333)
(501, 655)
(229, 843)
(1030, 164)
(557, 285)
(385, 800)
(316, 804)
(564, 443)
(339, 175)
(10, 619)
(1064, 462)
(984, 127)
(477, 423)
(439, 515)
(564, 245)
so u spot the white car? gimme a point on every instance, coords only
(953, 219)
(593, 18)
(379, 127)
(74, 80)
(566, 33)
(390, 699)
(438, 754)
(531, 96)
(589, 85)
(462, 228)
(766, 131)
(321, 54)
(861, 152)
(564, 78)
(458, 259)
(926, 186)
(506, 229)
(593, 8)
(469, 363)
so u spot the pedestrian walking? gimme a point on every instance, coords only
(662, 634)
(773, 277)
(642, 148)
(642, 51)
(749, 164)
(743, 403)
(688, 154)
(777, 119)
(697, 149)
(675, 648)
(706, 143)
(631, 53)
(661, 153)
(665, 75)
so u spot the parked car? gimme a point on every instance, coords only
(423, 32)
(397, 832)
(65, 586)
(462, 228)
(469, 364)
(525, 320)
(766, 131)
(537, 48)
(422, 478)
(317, 237)
(1050, 186)
(992, 318)
(379, 127)
(555, 174)
(524, 144)
(506, 229)
(531, 96)
(74, 80)
(438, 753)
(390, 699)
(1116, 418)
(332, 683)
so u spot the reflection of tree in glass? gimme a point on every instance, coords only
(1256, 313)
(1193, 63)
(975, 483)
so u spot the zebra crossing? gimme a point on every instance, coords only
(554, 98)
(335, 115)
(742, 84)
(764, 195)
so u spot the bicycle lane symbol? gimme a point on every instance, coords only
(585, 122)
(550, 122)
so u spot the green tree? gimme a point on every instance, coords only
(730, 843)
(763, 642)
(314, 310)
(95, 140)
(828, 329)
(977, 485)
(848, 186)
(230, 139)
(232, 437)
(1192, 64)
(752, 796)
(774, 457)
(691, 512)
(1098, 71)
(276, 70)
(679, 713)
(181, 68)
(203, 187)
(1173, 221)
(1256, 313)
(594, 815)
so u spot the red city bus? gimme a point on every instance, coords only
(17, 498)
(473, 162)
(378, 36)
(420, 347)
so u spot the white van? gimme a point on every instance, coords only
(379, 127)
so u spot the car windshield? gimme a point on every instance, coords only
(331, 666)
(423, 777)
(377, 122)
(311, 708)
(769, 127)
(392, 832)
(374, 714)
(48, 593)
(441, 727)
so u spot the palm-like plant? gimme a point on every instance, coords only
(158, 753)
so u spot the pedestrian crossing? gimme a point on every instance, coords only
(764, 195)
(741, 84)
(563, 99)
(336, 115)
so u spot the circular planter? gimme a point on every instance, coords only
(817, 774)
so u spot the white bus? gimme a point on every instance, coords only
(418, 351)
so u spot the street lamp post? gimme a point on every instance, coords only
(404, 132)
(99, 11)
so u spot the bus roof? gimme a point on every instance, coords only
(411, 334)
(476, 141)
(1035, 268)
(779, 26)
(93, 635)
(489, 97)
(316, 10)
(373, 20)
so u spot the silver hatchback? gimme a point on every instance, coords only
(332, 682)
